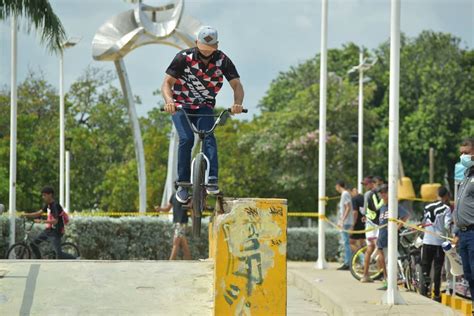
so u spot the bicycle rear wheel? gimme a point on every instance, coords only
(70, 248)
(357, 265)
(199, 193)
(19, 251)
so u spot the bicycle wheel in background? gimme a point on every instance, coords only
(199, 193)
(19, 251)
(70, 248)
(357, 265)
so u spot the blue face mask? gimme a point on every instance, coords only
(466, 161)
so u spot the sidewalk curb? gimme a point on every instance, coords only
(338, 306)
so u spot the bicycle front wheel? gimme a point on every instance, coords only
(199, 193)
(19, 251)
(357, 265)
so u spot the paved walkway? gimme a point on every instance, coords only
(118, 288)
(340, 294)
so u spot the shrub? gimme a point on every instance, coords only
(150, 238)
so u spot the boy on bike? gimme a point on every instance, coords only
(180, 222)
(192, 82)
(54, 225)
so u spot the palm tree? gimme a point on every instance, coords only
(39, 15)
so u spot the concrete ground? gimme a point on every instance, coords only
(340, 294)
(118, 288)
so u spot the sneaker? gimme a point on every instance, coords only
(182, 195)
(212, 186)
(344, 267)
(366, 280)
(437, 299)
(384, 286)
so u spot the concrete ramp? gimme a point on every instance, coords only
(106, 288)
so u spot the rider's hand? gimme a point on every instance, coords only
(236, 108)
(170, 107)
(455, 241)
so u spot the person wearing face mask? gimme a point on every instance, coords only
(464, 213)
(191, 83)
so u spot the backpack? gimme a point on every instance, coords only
(65, 218)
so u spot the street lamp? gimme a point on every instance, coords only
(71, 42)
(363, 66)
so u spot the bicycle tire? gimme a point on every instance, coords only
(357, 266)
(19, 251)
(199, 193)
(70, 248)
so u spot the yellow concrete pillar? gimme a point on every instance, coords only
(250, 258)
(466, 307)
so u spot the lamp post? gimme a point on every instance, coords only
(321, 263)
(363, 66)
(13, 121)
(71, 42)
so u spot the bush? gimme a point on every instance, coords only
(150, 238)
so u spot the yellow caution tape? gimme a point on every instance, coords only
(421, 229)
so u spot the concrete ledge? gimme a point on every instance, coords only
(340, 294)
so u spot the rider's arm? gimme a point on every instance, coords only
(167, 92)
(238, 93)
(34, 214)
(167, 208)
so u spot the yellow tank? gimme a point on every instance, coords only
(405, 189)
(429, 191)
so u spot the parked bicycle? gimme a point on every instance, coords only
(22, 250)
(408, 262)
(200, 167)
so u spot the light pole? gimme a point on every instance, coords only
(68, 179)
(363, 65)
(68, 44)
(392, 295)
(321, 263)
(13, 121)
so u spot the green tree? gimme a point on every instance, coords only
(40, 15)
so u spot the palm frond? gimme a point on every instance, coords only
(39, 15)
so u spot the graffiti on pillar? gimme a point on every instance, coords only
(251, 236)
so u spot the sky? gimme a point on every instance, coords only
(262, 37)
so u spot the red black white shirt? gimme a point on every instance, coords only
(197, 84)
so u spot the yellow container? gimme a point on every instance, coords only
(405, 189)
(250, 258)
(429, 191)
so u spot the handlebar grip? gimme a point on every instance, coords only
(243, 110)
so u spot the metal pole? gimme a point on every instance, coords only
(392, 295)
(68, 179)
(360, 149)
(13, 116)
(321, 263)
(431, 165)
(137, 135)
(61, 129)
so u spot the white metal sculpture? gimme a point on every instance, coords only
(146, 24)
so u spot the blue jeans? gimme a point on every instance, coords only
(347, 245)
(466, 250)
(55, 239)
(186, 142)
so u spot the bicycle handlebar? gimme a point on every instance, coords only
(226, 110)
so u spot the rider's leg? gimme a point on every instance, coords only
(438, 265)
(210, 144)
(55, 240)
(185, 247)
(175, 249)
(186, 142)
(381, 262)
(35, 244)
(368, 255)
(427, 256)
